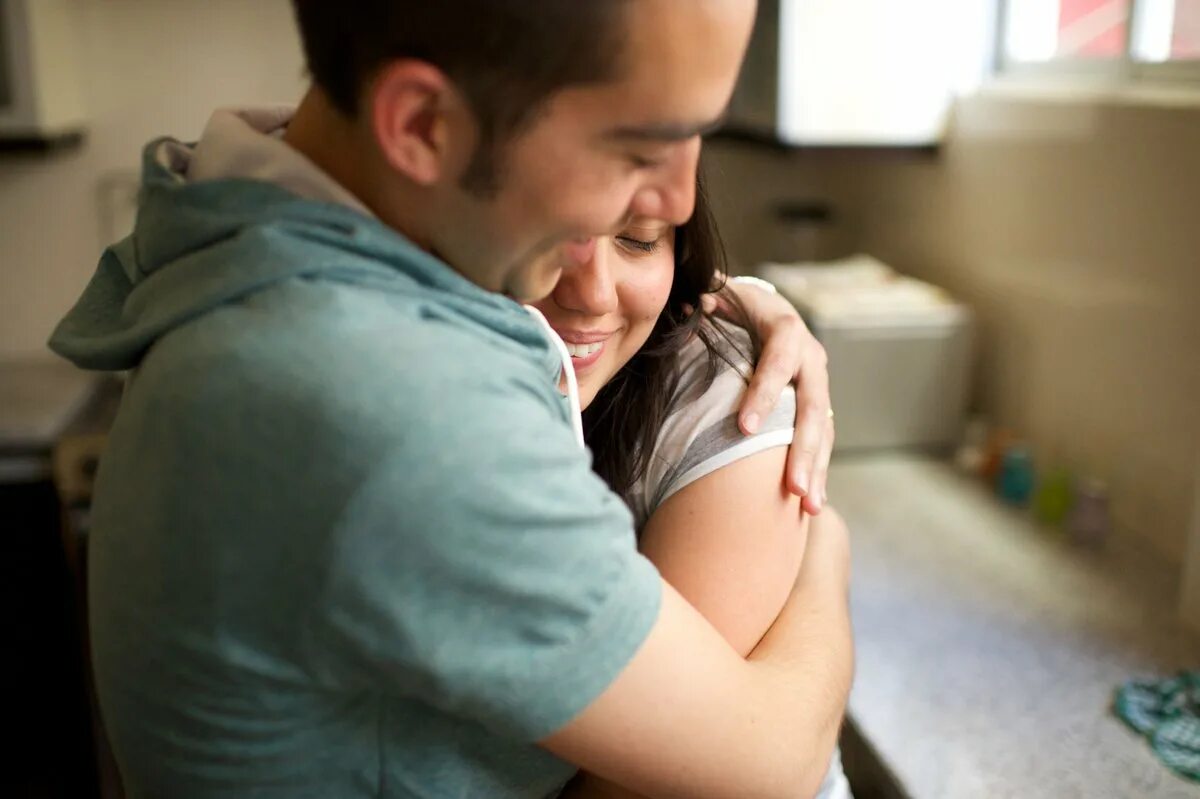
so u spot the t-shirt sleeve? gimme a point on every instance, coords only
(701, 434)
(483, 568)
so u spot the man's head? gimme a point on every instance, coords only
(497, 132)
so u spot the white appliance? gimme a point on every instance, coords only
(899, 351)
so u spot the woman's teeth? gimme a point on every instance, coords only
(584, 350)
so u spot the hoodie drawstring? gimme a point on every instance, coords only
(568, 372)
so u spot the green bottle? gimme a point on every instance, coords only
(1053, 502)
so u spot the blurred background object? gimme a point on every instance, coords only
(41, 103)
(899, 351)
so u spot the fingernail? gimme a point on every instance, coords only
(750, 422)
(802, 484)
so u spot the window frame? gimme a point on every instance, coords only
(1119, 72)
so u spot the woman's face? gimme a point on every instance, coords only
(606, 308)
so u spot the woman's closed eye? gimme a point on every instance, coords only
(643, 241)
(639, 245)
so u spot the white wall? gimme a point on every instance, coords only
(147, 68)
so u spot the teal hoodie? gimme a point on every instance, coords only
(344, 543)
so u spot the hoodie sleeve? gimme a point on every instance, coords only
(484, 568)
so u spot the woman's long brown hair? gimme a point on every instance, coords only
(622, 423)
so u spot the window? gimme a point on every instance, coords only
(1119, 38)
(1185, 31)
(1041, 30)
(1168, 30)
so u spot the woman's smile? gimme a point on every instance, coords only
(585, 347)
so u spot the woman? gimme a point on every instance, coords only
(660, 386)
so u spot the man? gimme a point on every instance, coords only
(344, 542)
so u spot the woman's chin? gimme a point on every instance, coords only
(588, 389)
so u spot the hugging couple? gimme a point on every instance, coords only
(448, 464)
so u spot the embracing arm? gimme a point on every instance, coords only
(796, 681)
(790, 354)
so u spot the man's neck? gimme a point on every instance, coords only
(335, 143)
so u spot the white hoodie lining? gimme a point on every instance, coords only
(568, 372)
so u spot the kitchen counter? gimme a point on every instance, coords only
(989, 647)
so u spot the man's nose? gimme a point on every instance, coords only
(577, 252)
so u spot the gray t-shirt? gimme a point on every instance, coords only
(701, 433)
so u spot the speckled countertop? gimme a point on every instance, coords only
(988, 648)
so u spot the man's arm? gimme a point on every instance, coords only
(790, 355)
(731, 543)
(689, 717)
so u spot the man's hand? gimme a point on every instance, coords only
(790, 354)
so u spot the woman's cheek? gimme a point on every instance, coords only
(652, 291)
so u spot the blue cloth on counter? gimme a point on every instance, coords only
(1167, 713)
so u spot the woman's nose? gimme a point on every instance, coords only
(586, 285)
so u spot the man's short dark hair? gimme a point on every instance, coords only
(506, 56)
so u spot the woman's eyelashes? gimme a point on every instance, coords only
(643, 242)
(639, 245)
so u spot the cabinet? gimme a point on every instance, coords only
(861, 72)
(40, 98)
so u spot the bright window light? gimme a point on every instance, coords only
(1032, 33)
(1155, 24)
(1101, 37)
(1043, 30)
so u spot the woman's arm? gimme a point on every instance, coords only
(732, 543)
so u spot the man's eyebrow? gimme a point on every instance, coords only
(666, 131)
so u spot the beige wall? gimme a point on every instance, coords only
(1189, 600)
(1074, 229)
(147, 68)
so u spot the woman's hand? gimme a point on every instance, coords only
(790, 354)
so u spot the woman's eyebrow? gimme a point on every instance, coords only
(646, 223)
(666, 131)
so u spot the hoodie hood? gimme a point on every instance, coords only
(198, 245)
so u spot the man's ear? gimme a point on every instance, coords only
(409, 102)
